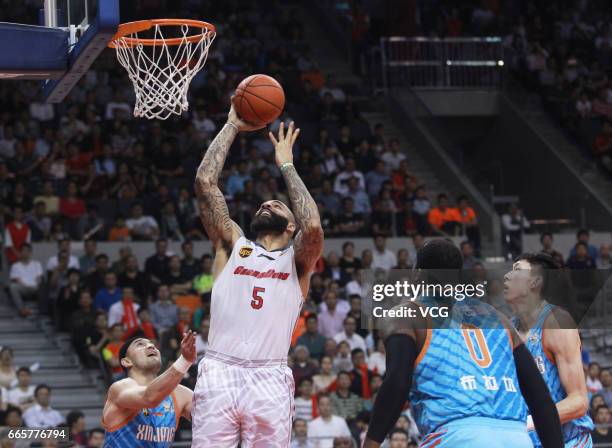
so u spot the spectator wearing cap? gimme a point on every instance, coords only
(109, 294)
(22, 395)
(26, 277)
(324, 428)
(546, 240)
(303, 367)
(41, 414)
(582, 236)
(75, 420)
(602, 432)
(311, 338)
(383, 258)
(16, 234)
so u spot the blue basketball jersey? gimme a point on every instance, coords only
(465, 368)
(146, 428)
(534, 343)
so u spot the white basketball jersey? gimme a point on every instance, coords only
(256, 301)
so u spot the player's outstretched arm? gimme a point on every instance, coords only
(222, 231)
(308, 242)
(129, 394)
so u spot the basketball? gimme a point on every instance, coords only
(259, 99)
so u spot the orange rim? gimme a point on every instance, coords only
(126, 29)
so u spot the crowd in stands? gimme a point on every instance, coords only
(561, 50)
(86, 170)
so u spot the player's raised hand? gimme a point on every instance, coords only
(188, 348)
(284, 144)
(243, 126)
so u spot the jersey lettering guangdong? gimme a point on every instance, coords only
(256, 301)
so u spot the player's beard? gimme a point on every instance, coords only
(273, 224)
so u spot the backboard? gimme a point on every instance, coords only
(71, 35)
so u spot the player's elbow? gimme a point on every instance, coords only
(313, 232)
(204, 183)
(149, 400)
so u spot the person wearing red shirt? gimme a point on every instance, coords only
(16, 233)
(444, 220)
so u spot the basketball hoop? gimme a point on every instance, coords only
(162, 67)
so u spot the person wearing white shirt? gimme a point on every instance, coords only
(393, 157)
(377, 360)
(323, 429)
(22, 395)
(382, 258)
(142, 227)
(355, 286)
(42, 415)
(73, 262)
(117, 311)
(26, 277)
(349, 335)
(341, 182)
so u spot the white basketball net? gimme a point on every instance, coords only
(161, 73)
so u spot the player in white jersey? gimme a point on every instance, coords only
(244, 391)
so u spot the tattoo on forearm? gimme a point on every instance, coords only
(211, 203)
(309, 240)
(304, 206)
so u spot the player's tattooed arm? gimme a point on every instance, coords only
(309, 239)
(212, 206)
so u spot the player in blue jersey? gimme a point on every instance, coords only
(464, 375)
(551, 336)
(143, 410)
